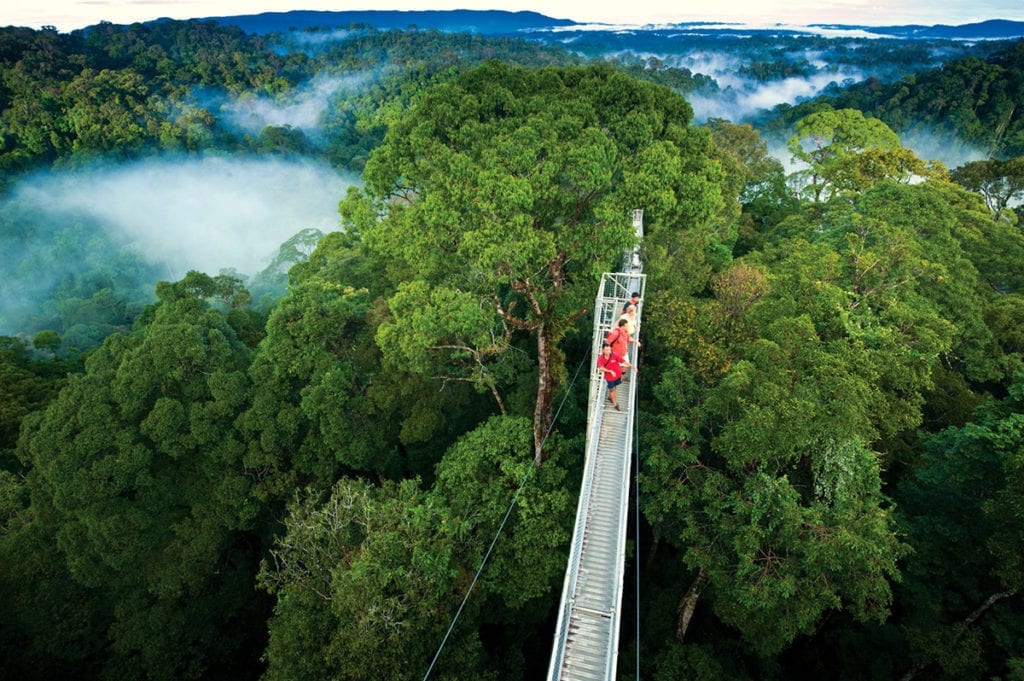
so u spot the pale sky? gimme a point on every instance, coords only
(67, 15)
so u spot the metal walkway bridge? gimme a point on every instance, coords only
(587, 633)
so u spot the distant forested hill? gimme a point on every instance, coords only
(454, 21)
(532, 23)
(969, 102)
(993, 29)
(131, 90)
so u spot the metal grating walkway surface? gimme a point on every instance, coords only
(587, 633)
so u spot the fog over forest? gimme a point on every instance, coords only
(207, 214)
(303, 109)
(741, 97)
(178, 213)
(797, 65)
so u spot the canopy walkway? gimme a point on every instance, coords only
(587, 633)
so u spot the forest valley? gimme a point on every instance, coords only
(296, 473)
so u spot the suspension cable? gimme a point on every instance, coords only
(508, 512)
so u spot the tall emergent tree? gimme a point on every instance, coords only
(847, 152)
(1000, 182)
(506, 193)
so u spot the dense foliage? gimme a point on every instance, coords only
(214, 482)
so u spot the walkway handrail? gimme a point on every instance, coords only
(615, 289)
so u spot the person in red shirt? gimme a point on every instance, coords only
(619, 338)
(612, 365)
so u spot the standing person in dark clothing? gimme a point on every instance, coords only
(634, 300)
(612, 366)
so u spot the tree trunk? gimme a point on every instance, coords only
(969, 621)
(497, 397)
(653, 552)
(688, 604)
(545, 389)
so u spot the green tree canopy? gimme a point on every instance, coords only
(138, 466)
(790, 382)
(368, 578)
(512, 188)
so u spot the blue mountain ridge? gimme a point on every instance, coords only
(992, 29)
(502, 22)
(452, 21)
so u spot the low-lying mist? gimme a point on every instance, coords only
(741, 99)
(302, 109)
(111, 228)
(739, 96)
(205, 214)
(936, 146)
